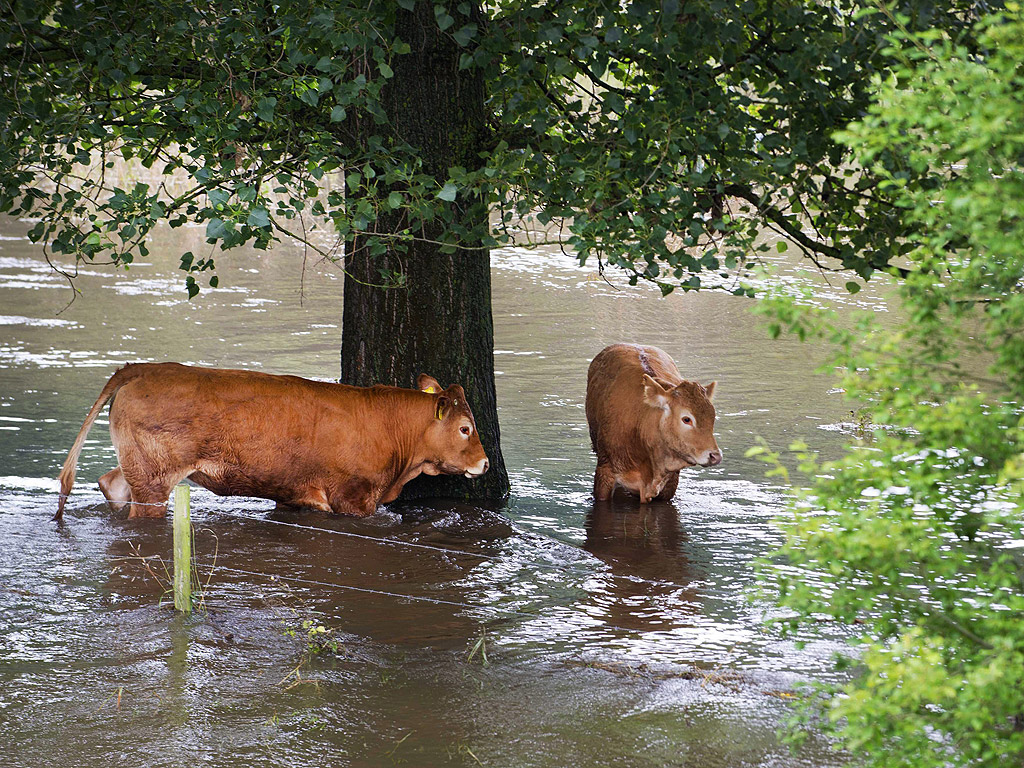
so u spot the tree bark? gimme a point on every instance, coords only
(439, 321)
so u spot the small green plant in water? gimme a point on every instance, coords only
(317, 638)
(479, 647)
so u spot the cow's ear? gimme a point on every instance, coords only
(710, 389)
(440, 406)
(654, 394)
(426, 383)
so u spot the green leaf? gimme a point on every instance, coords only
(218, 197)
(444, 20)
(215, 228)
(448, 192)
(258, 217)
(265, 108)
(465, 34)
(338, 114)
(853, 287)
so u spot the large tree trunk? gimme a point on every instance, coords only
(438, 322)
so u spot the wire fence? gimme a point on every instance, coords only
(566, 568)
(503, 610)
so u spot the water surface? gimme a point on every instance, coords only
(614, 635)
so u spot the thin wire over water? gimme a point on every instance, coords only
(504, 611)
(560, 568)
(385, 593)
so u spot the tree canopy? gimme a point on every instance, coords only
(656, 136)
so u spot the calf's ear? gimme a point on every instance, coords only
(426, 383)
(655, 394)
(710, 389)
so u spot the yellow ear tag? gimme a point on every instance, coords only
(440, 412)
(430, 390)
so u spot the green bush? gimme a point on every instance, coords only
(916, 533)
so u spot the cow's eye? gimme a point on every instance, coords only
(465, 430)
(687, 420)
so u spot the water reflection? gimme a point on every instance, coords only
(643, 540)
(654, 587)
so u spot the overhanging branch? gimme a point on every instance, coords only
(791, 229)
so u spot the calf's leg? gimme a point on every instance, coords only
(604, 482)
(670, 487)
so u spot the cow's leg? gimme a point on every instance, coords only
(670, 487)
(150, 500)
(314, 498)
(149, 495)
(354, 498)
(149, 479)
(604, 482)
(648, 488)
(116, 489)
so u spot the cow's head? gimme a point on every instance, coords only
(452, 443)
(685, 421)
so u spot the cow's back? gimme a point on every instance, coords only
(211, 404)
(615, 389)
(246, 431)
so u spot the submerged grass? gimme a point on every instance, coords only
(161, 571)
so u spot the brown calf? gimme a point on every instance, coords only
(646, 422)
(305, 443)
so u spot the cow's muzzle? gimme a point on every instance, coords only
(714, 458)
(478, 469)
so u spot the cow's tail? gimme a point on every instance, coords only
(67, 474)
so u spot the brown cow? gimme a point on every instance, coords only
(304, 443)
(646, 422)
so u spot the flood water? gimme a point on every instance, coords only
(613, 635)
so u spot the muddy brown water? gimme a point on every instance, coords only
(614, 635)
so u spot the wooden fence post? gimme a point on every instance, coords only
(182, 549)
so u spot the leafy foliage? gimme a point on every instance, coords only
(655, 136)
(918, 532)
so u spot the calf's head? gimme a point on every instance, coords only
(683, 422)
(452, 445)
